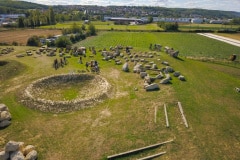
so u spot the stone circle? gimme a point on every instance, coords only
(47, 94)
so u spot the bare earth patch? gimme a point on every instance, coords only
(21, 36)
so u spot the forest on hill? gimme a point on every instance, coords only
(22, 7)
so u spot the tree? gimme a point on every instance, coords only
(33, 41)
(150, 19)
(91, 30)
(167, 26)
(51, 16)
(21, 22)
(63, 41)
(76, 29)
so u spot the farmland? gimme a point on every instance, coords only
(21, 36)
(126, 120)
(109, 26)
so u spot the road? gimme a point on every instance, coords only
(221, 38)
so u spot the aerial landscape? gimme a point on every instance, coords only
(119, 80)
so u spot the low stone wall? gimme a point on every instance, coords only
(95, 93)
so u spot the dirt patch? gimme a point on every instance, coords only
(21, 36)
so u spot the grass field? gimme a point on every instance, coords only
(126, 120)
(109, 25)
(213, 27)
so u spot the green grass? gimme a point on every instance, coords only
(197, 46)
(126, 121)
(213, 27)
(110, 26)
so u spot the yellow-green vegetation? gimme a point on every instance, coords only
(233, 36)
(213, 27)
(110, 26)
(126, 120)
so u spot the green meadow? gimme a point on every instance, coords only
(110, 26)
(127, 119)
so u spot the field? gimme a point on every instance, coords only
(21, 36)
(126, 121)
(109, 26)
(233, 36)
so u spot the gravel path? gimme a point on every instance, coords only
(221, 38)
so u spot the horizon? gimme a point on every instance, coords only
(221, 5)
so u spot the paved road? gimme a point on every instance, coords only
(223, 39)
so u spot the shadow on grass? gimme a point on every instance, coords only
(3, 63)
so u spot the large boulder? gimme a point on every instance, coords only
(5, 123)
(159, 76)
(152, 87)
(143, 74)
(3, 107)
(28, 149)
(4, 155)
(17, 155)
(125, 67)
(5, 115)
(154, 66)
(176, 74)
(31, 155)
(182, 78)
(165, 81)
(12, 146)
(138, 68)
(169, 69)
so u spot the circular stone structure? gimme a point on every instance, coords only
(65, 93)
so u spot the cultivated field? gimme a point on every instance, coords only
(21, 36)
(109, 26)
(127, 120)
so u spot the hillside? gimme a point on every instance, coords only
(11, 6)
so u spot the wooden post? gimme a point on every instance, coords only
(183, 117)
(155, 120)
(137, 150)
(152, 156)
(165, 110)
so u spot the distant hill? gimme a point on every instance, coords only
(13, 6)
(20, 6)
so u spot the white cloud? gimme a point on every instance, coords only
(233, 5)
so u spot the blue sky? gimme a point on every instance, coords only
(225, 5)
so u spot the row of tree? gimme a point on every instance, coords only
(36, 18)
(74, 34)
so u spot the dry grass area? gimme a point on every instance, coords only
(21, 35)
(233, 36)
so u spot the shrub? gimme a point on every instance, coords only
(63, 41)
(34, 41)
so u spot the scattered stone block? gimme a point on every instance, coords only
(17, 155)
(169, 69)
(125, 67)
(31, 155)
(165, 63)
(143, 74)
(154, 66)
(176, 74)
(182, 78)
(152, 87)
